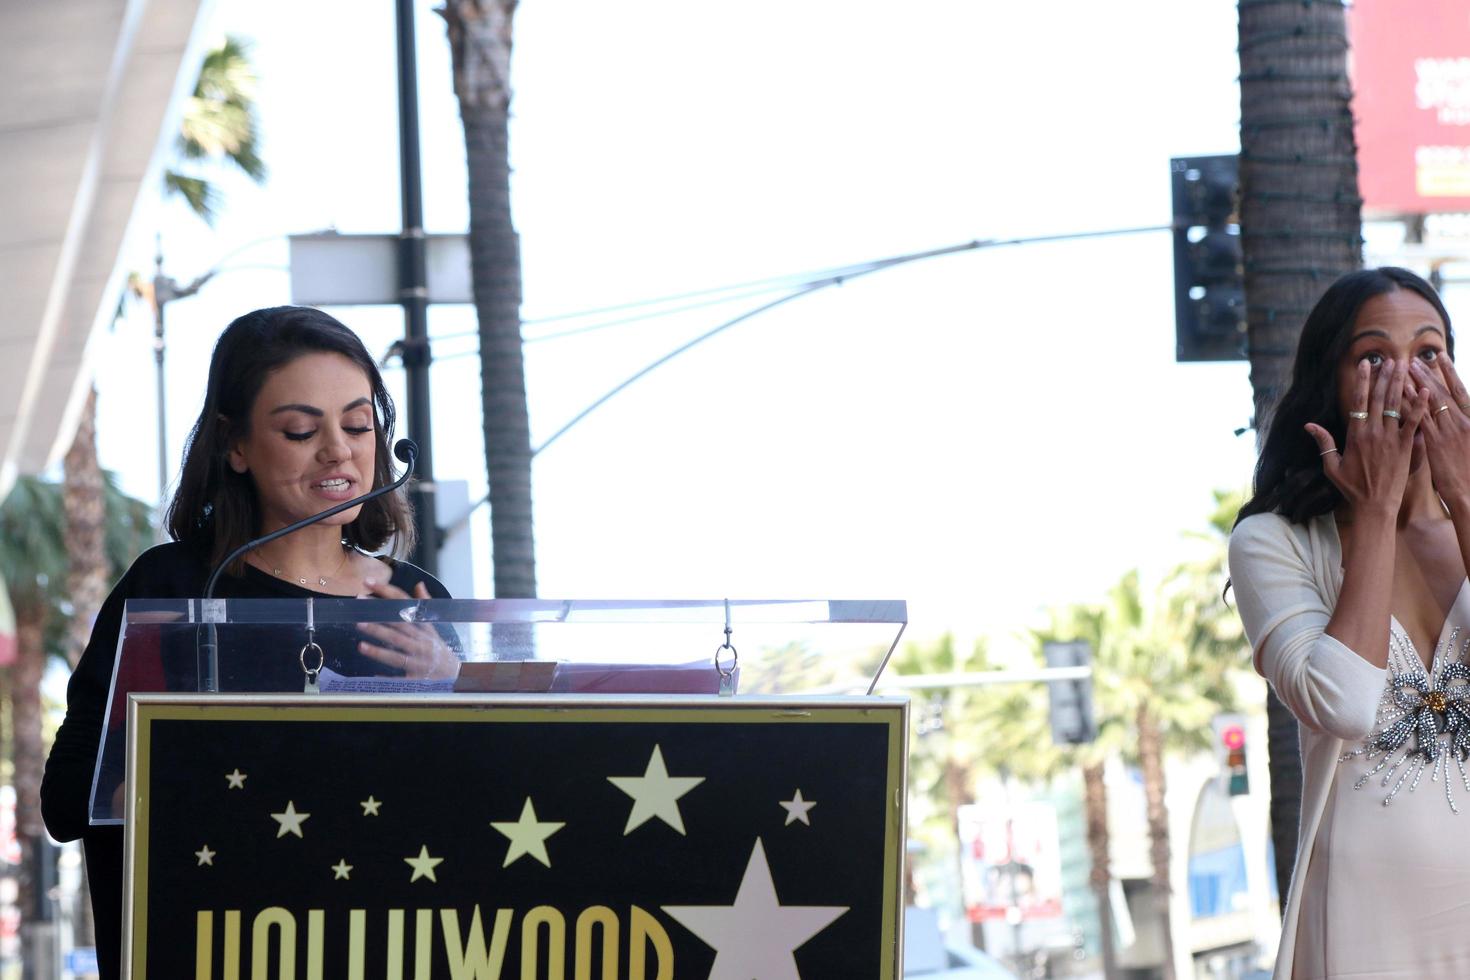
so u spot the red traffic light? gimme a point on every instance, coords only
(1232, 737)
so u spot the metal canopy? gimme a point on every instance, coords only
(92, 90)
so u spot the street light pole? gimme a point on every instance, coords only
(413, 291)
(162, 287)
(165, 290)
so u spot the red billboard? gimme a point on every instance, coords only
(1410, 64)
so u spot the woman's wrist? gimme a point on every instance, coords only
(1374, 514)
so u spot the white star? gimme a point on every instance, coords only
(423, 865)
(342, 870)
(655, 794)
(236, 778)
(205, 856)
(290, 820)
(797, 809)
(755, 937)
(370, 806)
(527, 835)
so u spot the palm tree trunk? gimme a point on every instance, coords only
(1300, 229)
(1151, 761)
(28, 761)
(1285, 758)
(480, 34)
(957, 790)
(84, 505)
(1095, 805)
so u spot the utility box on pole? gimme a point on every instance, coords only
(1070, 701)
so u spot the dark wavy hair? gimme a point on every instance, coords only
(216, 509)
(1289, 478)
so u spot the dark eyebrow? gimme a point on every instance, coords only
(318, 413)
(303, 409)
(1380, 333)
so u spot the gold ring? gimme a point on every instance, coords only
(1360, 416)
(1442, 408)
(1325, 452)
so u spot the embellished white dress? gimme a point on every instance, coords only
(1387, 889)
(1378, 891)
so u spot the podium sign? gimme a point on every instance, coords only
(571, 838)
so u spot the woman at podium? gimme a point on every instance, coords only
(296, 420)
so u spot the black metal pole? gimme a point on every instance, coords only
(413, 291)
(161, 296)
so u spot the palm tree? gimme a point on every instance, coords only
(84, 509)
(219, 125)
(943, 740)
(1300, 229)
(1154, 680)
(83, 504)
(480, 35)
(34, 565)
(1086, 623)
(1172, 692)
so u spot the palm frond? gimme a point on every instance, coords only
(198, 193)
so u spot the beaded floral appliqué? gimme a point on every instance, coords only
(1423, 719)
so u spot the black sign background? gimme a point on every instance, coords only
(442, 775)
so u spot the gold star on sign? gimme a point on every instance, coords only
(236, 778)
(655, 794)
(370, 806)
(205, 856)
(342, 870)
(797, 809)
(527, 835)
(423, 865)
(289, 820)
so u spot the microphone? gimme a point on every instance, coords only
(407, 452)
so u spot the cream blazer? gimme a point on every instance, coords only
(1286, 579)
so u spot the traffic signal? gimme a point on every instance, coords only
(1232, 741)
(1209, 286)
(1069, 702)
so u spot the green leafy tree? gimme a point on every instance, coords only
(944, 733)
(35, 566)
(1171, 690)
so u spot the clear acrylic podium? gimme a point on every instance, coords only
(505, 646)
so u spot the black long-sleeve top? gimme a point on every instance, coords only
(168, 571)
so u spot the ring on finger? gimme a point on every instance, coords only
(1363, 416)
(1465, 407)
(1328, 451)
(1442, 408)
(1390, 413)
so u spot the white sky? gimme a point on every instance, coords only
(983, 435)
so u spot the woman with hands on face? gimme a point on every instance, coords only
(1348, 566)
